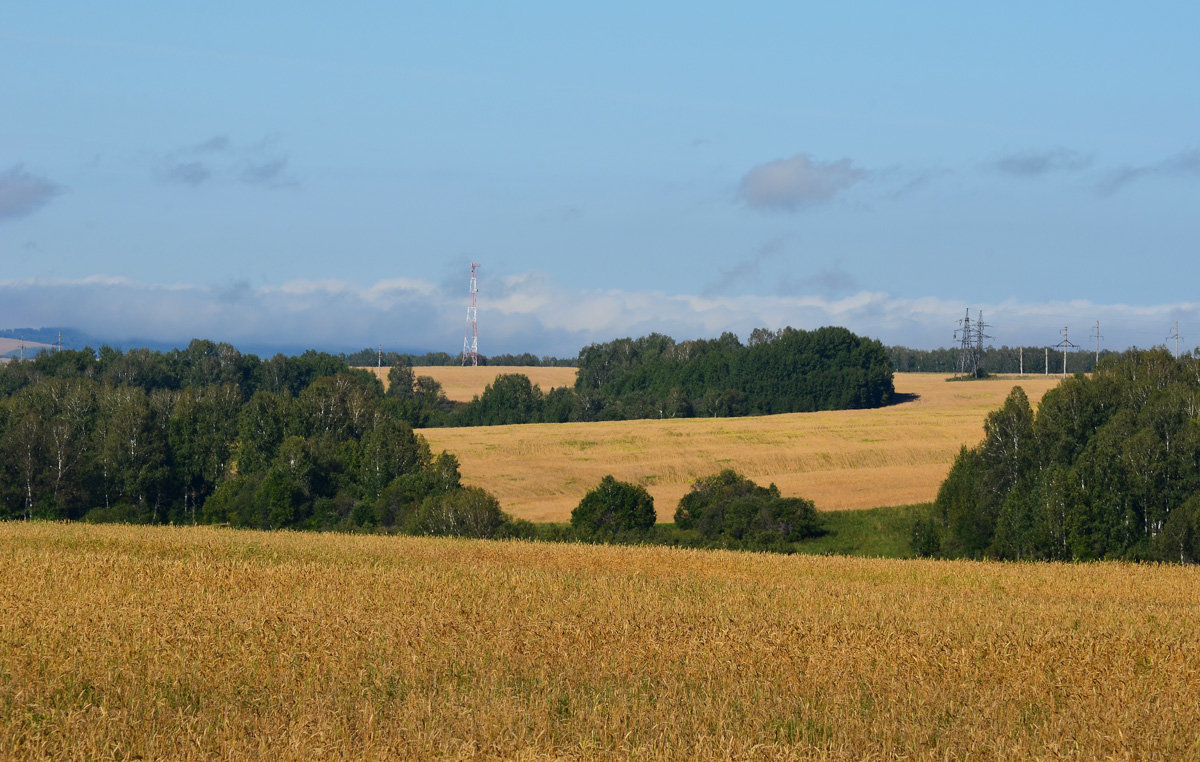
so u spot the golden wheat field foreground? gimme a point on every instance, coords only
(176, 643)
(842, 459)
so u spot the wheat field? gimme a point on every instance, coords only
(462, 384)
(844, 459)
(122, 642)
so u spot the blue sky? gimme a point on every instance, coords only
(295, 174)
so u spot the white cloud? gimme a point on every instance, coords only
(529, 312)
(790, 184)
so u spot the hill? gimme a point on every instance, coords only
(894, 455)
(12, 347)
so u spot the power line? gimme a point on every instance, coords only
(1066, 346)
(968, 360)
(1175, 335)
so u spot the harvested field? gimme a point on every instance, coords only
(842, 459)
(31, 348)
(463, 384)
(199, 643)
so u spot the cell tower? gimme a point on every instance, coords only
(471, 339)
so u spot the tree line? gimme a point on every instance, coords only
(208, 435)
(1003, 359)
(784, 371)
(372, 357)
(1109, 467)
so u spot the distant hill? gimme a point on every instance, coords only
(73, 338)
(14, 347)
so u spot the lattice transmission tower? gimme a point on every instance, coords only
(471, 339)
(970, 336)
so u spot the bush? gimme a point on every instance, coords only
(614, 507)
(517, 529)
(462, 512)
(926, 538)
(730, 510)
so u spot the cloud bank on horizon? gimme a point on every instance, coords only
(529, 312)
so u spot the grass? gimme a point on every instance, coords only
(849, 459)
(882, 532)
(199, 643)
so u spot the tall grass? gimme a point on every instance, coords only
(141, 642)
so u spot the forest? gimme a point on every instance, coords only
(1108, 468)
(784, 371)
(209, 435)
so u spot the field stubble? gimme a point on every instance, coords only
(137, 642)
(843, 459)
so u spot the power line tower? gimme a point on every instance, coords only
(970, 344)
(1096, 335)
(471, 339)
(979, 337)
(1175, 335)
(1066, 346)
(965, 336)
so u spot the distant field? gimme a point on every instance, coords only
(205, 643)
(897, 455)
(14, 345)
(462, 384)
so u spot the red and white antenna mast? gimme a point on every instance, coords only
(471, 339)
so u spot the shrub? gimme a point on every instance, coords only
(614, 507)
(730, 510)
(462, 512)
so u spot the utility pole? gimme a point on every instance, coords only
(379, 357)
(1175, 335)
(1046, 362)
(1096, 335)
(1066, 347)
(1021, 357)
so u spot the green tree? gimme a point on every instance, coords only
(462, 512)
(728, 509)
(613, 507)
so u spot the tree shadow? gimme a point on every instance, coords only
(899, 398)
